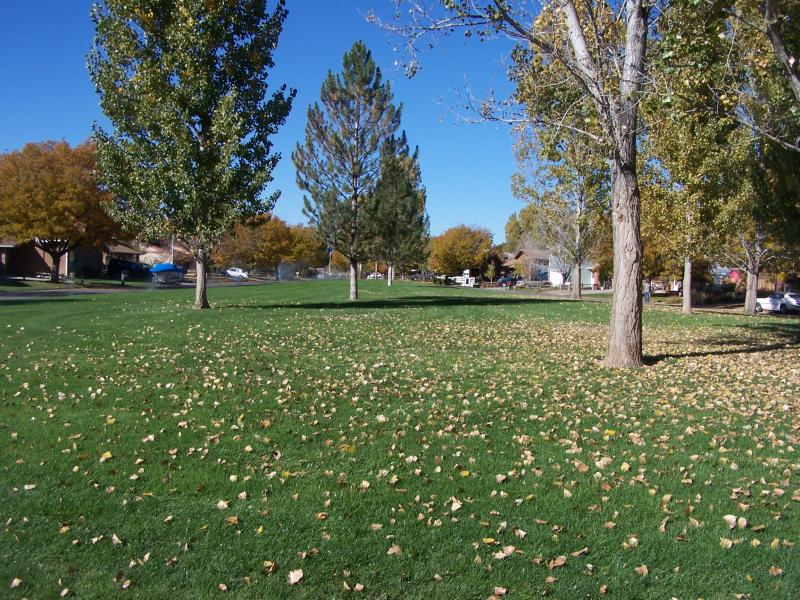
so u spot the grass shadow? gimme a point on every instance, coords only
(787, 337)
(17, 301)
(401, 302)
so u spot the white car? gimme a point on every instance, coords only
(375, 276)
(778, 302)
(237, 273)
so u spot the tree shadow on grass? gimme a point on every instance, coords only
(400, 302)
(785, 336)
(17, 301)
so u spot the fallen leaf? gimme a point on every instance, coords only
(642, 570)
(559, 561)
(294, 577)
(603, 462)
(395, 549)
(730, 521)
(270, 566)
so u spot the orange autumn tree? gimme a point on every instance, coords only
(49, 195)
(269, 243)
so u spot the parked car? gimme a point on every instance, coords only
(375, 276)
(793, 301)
(779, 302)
(132, 270)
(507, 281)
(237, 273)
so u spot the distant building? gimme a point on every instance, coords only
(538, 264)
(26, 260)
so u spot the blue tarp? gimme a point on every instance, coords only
(164, 268)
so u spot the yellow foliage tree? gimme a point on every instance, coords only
(49, 195)
(460, 248)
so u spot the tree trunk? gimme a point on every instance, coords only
(625, 333)
(687, 286)
(353, 279)
(200, 287)
(576, 281)
(55, 267)
(751, 293)
(389, 274)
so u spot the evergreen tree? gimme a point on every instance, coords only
(340, 162)
(185, 85)
(398, 223)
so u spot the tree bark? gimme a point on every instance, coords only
(687, 286)
(751, 293)
(576, 281)
(353, 279)
(389, 274)
(619, 115)
(788, 61)
(200, 287)
(55, 267)
(625, 333)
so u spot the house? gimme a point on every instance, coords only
(538, 264)
(26, 260)
(590, 275)
(532, 263)
(5, 247)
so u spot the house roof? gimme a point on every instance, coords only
(122, 248)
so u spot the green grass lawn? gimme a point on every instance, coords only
(421, 443)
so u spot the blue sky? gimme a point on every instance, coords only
(46, 94)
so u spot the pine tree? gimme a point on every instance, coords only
(339, 164)
(396, 217)
(185, 85)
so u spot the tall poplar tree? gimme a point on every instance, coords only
(689, 173)
(184, 83)
(340, 162)
(592, 55)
